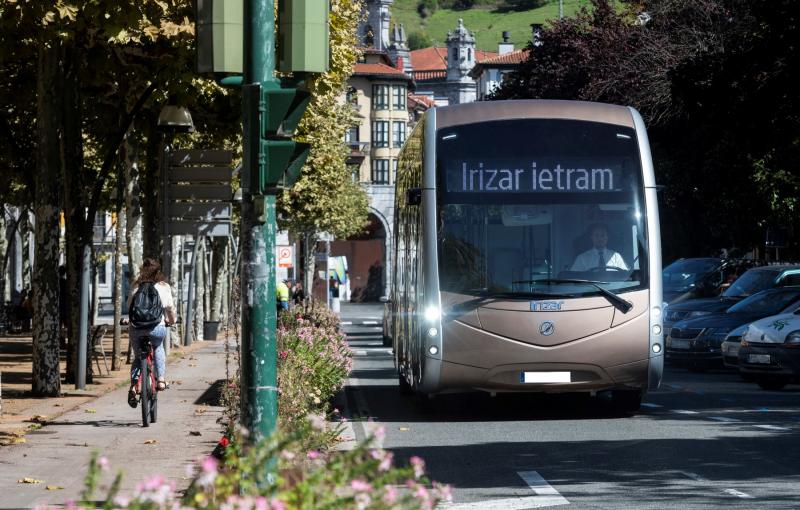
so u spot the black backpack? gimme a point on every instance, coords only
(145, 311)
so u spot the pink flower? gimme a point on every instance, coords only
(210, 465)
(276, 504)
(362, 500)
(443, 491)
(360, 486)
(386, 463)
(419, 466)
(380, 433)
(313, 454)
(103, 463)
(389, 494)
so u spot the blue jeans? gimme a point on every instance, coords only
(157, 336)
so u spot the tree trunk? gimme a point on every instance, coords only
(119, 235)
(199, 292)
(309, 264)
(150, 192)
(25, 237)
(133, 209)
(174, 278)
(218, 267)
(46, 374)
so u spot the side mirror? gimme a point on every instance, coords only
(414, 196)
(384, 299)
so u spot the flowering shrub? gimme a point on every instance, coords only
(314, 361)
(274, 476)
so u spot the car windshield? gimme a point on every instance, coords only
(767, 303)
(683, 273)
(751, 282)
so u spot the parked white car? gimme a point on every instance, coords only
(770, 351)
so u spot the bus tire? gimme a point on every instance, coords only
(626, 401)
(405, 388)
(772, 383)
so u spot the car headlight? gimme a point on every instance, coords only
(698, 313)
(433, 313)
(793, 339)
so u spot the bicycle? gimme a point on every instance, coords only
(146, 383)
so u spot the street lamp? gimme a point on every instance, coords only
(171, 119)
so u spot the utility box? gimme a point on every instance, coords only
(220, 36)
(303, 36)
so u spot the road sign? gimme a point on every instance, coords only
(285, 256)
(199, 193)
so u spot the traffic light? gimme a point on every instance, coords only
(272, 114)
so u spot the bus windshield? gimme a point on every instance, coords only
(525, 203)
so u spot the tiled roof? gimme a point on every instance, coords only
(435, 58)
(379, 69)
(423, 100)
(514, 57)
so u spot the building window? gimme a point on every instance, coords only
(354, 173)
(380, 133)
(380, 171)
(352, 96)
(102, 276)
(398, 134)
(351, 135)
(399, 97)
(394, 169)
(380, 97)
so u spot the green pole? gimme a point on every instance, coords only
(259, 397)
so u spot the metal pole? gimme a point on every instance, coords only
(80, 380)
(188, 328)
(259, 399)
(327, 273)
(560, 9)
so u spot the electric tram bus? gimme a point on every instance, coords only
(527, 252)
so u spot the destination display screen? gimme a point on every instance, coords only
(535, 175)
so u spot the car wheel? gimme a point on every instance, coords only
(626, 401)
(772, 383)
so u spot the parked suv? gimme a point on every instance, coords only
(752, 281)
(695, 278)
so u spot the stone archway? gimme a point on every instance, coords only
(368, 259)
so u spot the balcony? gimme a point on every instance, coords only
(358, 151)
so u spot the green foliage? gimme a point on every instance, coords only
(314, 360)
(324, 198)
(418, 40)
(486, 18)
(427, 7)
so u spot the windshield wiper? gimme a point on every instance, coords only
(623, 305)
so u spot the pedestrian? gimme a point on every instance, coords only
(282, 297)
(298, 295)
(141, 304)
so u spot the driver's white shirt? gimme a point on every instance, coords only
(589, 259)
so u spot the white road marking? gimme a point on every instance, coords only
(545, 496)
(772, 427)
(724, 419)
(683, 411)
(367, 323)
(648, 404)
(738, 494)
(729, 492)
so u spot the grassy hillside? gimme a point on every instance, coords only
(487, 23)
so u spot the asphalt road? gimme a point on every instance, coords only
(701, 441)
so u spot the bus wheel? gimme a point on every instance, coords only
(626, 401)
(405, 388)
(772, 383)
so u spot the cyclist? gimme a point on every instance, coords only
(150, 272)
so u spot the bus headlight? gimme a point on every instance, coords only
(433, 313)
(656, 329)
(433, 350)
(656, 348)
(433, 332)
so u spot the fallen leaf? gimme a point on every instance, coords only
(184, 401)
(39, 418)
(192, 364)
(57, 405)
(29, 480)
(404, 429)
(17, 440)
(199, 411)
(177, 382)
(54, 487)
(91, 410)
(194, 433)
(151, 441)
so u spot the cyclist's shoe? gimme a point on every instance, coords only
(162, 385)
(133, 398)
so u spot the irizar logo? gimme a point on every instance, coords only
(546, 306)
(547, 328)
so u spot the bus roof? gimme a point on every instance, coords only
(486, 111)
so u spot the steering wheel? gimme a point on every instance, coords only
(606, 268)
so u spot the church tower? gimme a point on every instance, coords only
(374, 32)
(460, 61)
(399, 48)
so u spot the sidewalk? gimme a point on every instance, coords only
(57, 454)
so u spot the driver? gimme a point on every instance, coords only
(599, 257)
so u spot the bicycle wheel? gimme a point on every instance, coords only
(154, 400)
(146, 390)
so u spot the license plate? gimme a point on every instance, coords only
(679, 344)
(545, 377)
(758, 358)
